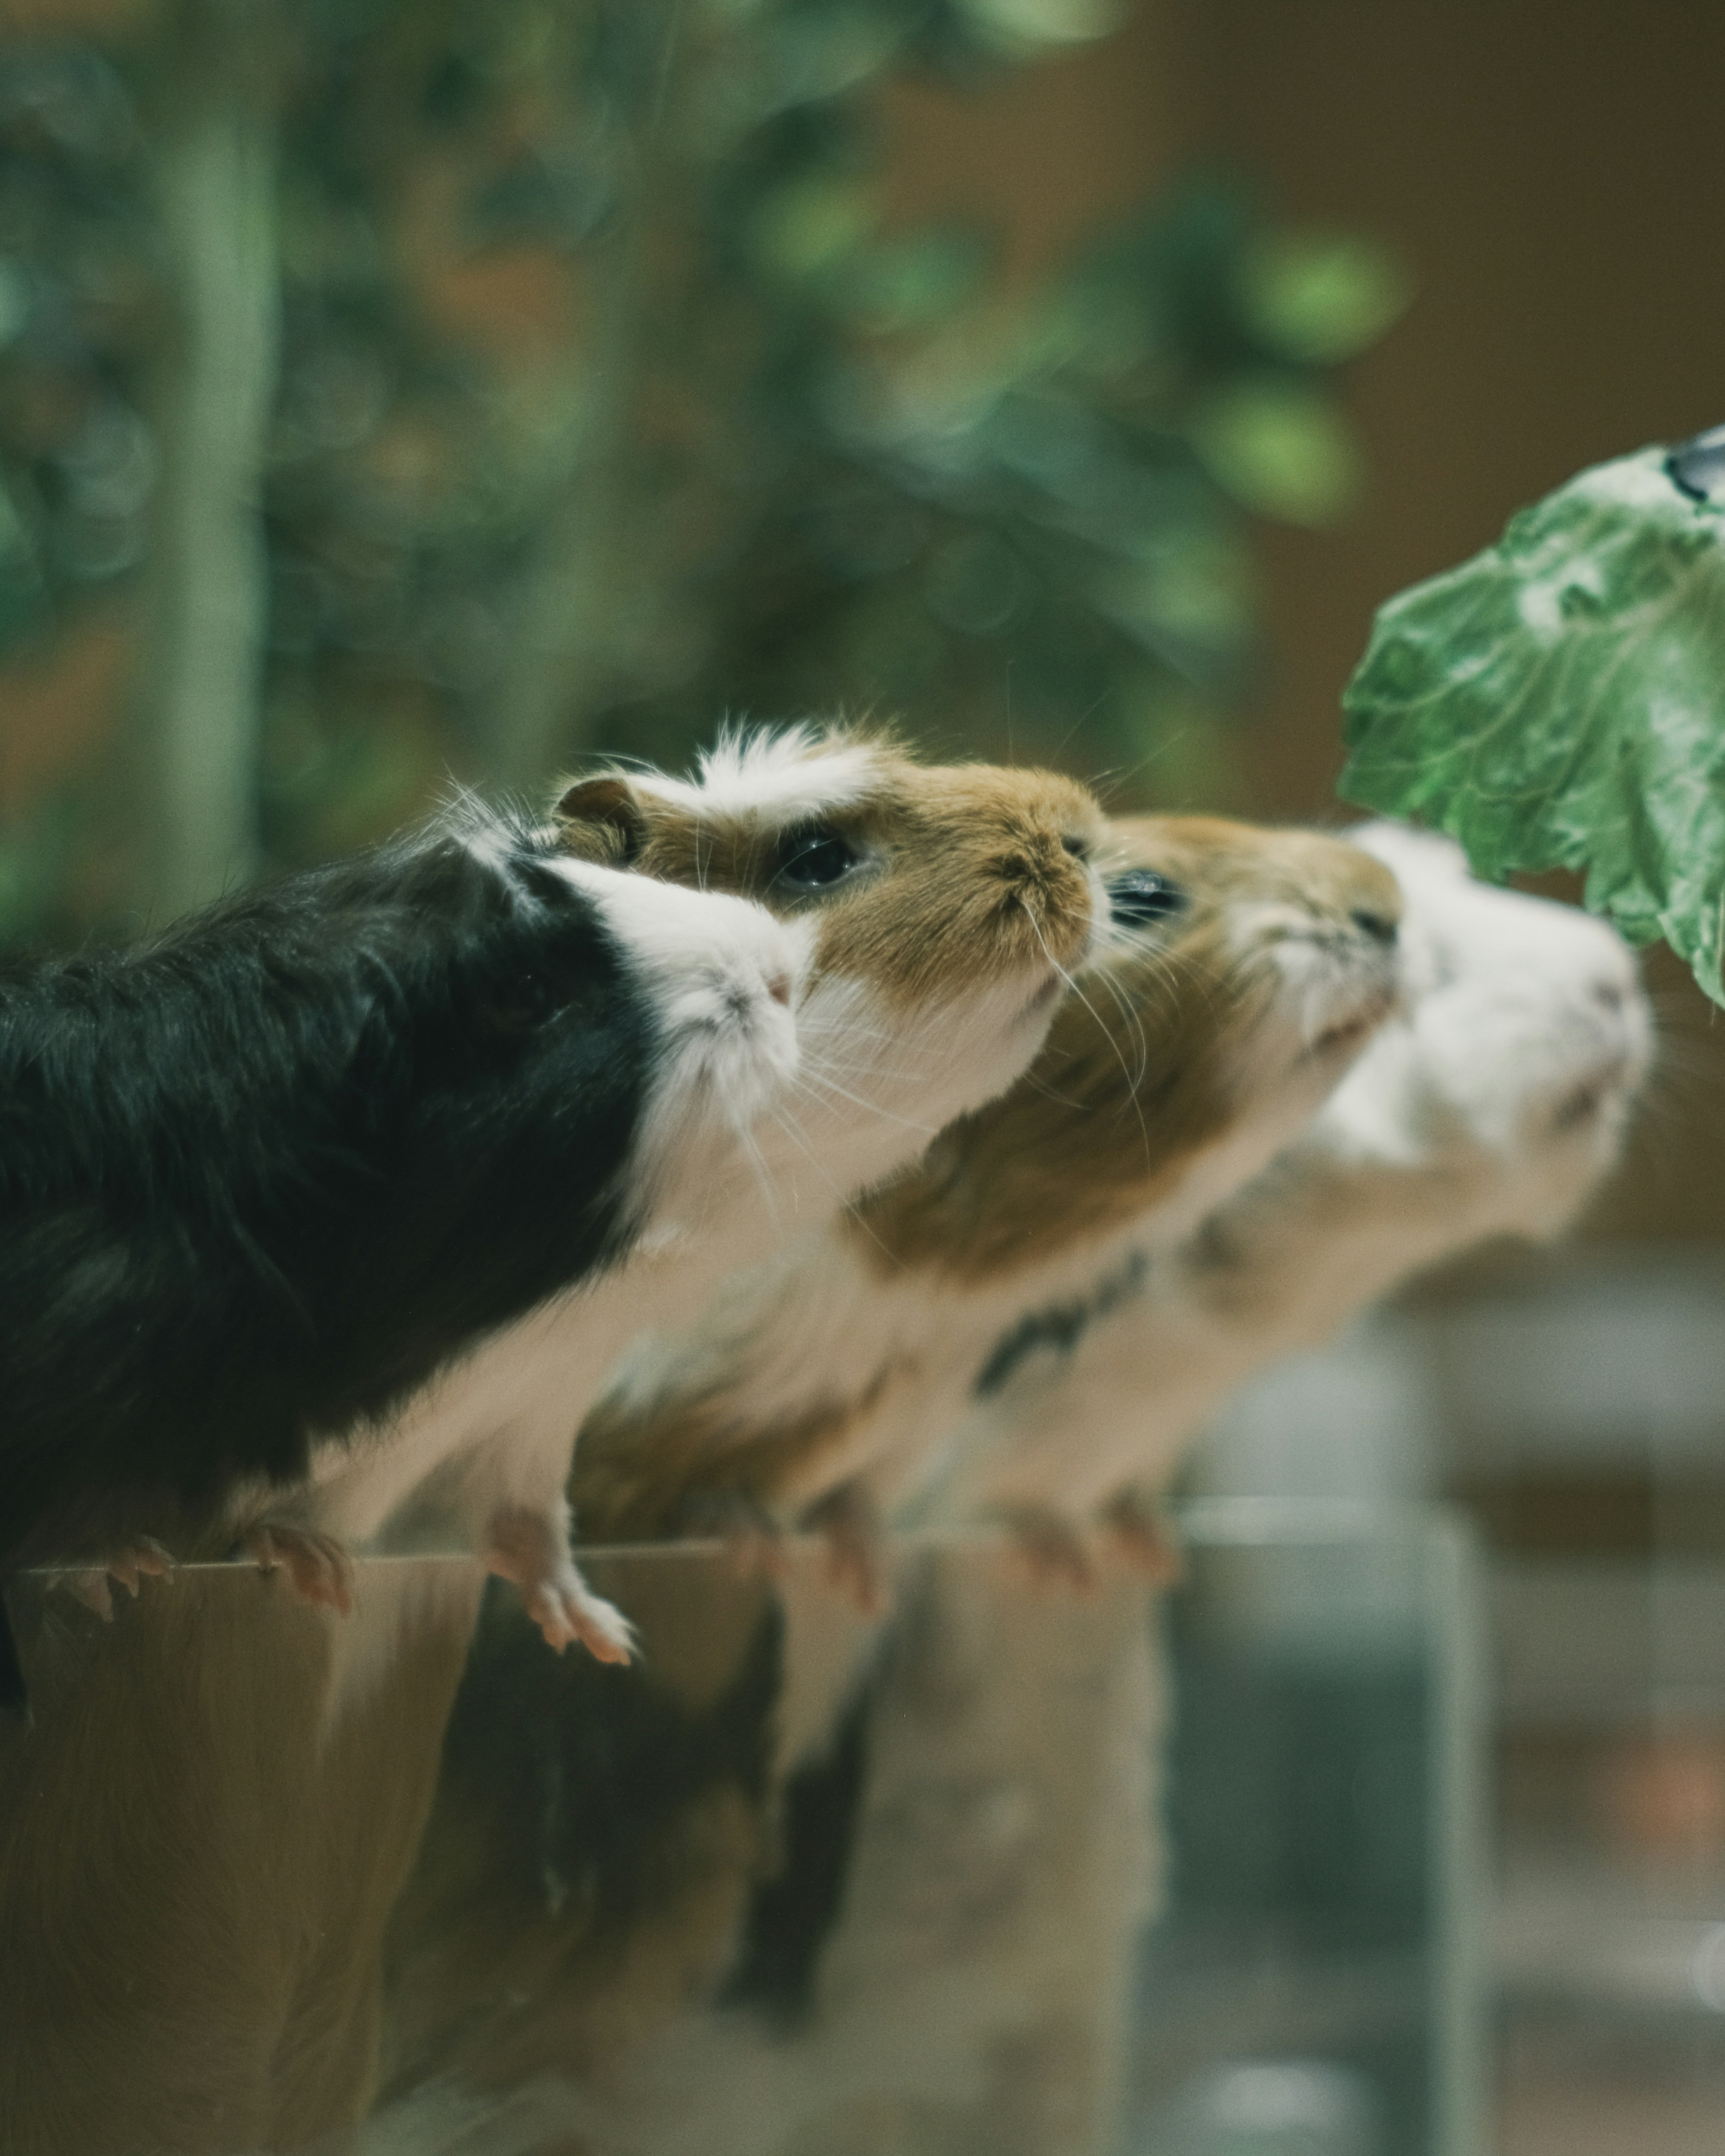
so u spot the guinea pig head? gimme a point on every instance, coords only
(1526, 1040)
(940, 910)
(1243, 971)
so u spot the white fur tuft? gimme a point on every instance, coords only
(790, 773)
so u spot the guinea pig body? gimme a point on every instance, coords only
(262, 1178)
(1247, 969)
(933, 913)
(1491, 1104)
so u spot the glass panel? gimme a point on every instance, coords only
(1011, 1871)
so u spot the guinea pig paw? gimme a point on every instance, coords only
(318, 1567)
(1057, 1555)
(528, 1549)
(127, 1564)
(144, 1554)
(849, 1525)
(568, 1611)
(1141, 1534)
(754, 1539)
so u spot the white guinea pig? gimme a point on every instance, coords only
(1491, 1104)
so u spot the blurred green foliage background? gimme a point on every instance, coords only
(391, 389)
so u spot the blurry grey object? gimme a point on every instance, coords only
(1353, 1427)
(275, 1883)
(1493, 1105)
(1616, 1359)
(1360, 1419)
(1270, 2107)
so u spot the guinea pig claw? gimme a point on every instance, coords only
(320, 1570)
(145, 1555)
(526, 1548)
(1144, 1535)
(569, 1613)
(849, 1525)
(126, 1564)
(751, 1535)
(1055, 1553)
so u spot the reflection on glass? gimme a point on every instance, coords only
(1007, 1871)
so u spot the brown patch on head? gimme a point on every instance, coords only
(1143, 1067)
(922, 878)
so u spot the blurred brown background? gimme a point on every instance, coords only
(1551, 173)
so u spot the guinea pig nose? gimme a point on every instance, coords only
(1377, 926)
(1140, 897)
(778, 986)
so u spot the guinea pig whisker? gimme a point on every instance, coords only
(813, 1078)
(795, 1131)
(1073, 988)
(756, 1160)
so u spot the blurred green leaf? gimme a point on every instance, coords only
(903, 283)
(15, 302)
(1021, 25)
(811, 226)
(1282, 448)
(1321, 298)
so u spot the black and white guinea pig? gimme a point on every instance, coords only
(932, 914)
(1492, 1104)
(1244, 970)
(265, 1176)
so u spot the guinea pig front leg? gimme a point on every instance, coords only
(848, 1521)
(514, 1496)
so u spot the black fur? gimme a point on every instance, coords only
(261, 1176)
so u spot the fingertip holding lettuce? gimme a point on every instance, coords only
(1559, 702)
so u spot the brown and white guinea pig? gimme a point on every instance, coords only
(1244, 970)
(933, 914)
(942, 909)
(1490, 1105)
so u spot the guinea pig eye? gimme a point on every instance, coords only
(1140, 897)
(814, 860)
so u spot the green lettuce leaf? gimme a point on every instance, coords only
(1559, 702)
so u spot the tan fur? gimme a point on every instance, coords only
(1149, 1062)
(630, 1486)
(1138, 1069)
(969, 866)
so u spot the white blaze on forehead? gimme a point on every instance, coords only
(785, 777)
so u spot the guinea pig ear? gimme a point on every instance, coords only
(601, 820)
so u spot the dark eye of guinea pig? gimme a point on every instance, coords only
(813, 859)
(1140, 897)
